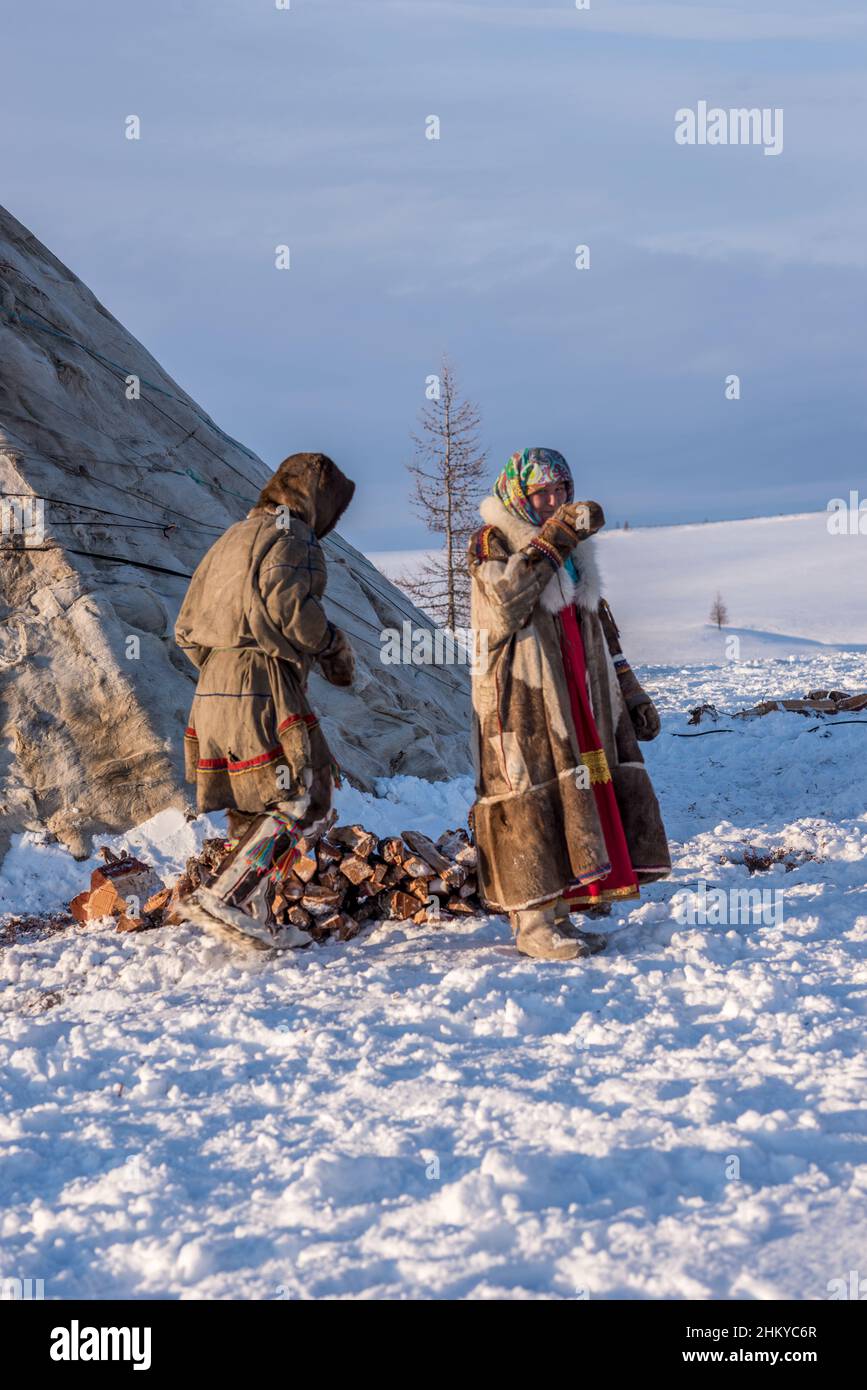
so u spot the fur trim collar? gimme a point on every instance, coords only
(561, 589)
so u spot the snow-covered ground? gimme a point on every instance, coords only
(423, 1113)
(790, 587)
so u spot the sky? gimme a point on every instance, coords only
(306, 127)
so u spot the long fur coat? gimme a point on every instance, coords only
(535, 818)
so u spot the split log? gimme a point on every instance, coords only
(398, 906)
(292, 887)
(319, 901)
(415, 867)
(335, 880)
(157, 902)
(339, 924)
(355, 838)
(427, 850)
(327, 852)
(305, 866)
(419, 888)
(460, 905)
(369, 888)
(455, 844)
(356, 868)
(392, 850)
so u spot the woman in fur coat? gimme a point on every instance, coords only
(565, 817)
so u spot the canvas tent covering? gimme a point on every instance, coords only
(94, 694)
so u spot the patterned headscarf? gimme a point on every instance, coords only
(527, 470)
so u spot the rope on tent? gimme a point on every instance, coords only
(56, 332)
(183, 574)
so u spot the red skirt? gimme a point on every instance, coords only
(620, 880)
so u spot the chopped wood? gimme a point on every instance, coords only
(340, 878)
(369, 888)
(356, 838)
(399, 906)
(419, 887)
(320, 901)
(392, 850)
(305, 866)
(339, 924)
(450, 870)
(157, 902)
(333, 878)
(461, 905)
(427, 850)
(456, 845)
(292, 888)
(125, 923)
(78, 907)
(416, 867)
(356, 868)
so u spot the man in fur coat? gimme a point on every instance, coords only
(253, 623)
(565, 817)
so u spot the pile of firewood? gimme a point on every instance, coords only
(348, 877)
(814, 702)
(338, 881)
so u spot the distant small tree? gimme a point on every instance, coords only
(719, 614)
(448, 472)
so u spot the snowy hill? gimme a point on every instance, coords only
(790, 587)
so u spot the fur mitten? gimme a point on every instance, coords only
(337, 661)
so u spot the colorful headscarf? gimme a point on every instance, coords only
(527, 470)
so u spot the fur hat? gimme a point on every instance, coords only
(312, 487)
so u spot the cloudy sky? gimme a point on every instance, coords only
(306, 126)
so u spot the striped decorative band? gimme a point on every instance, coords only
(552, 553)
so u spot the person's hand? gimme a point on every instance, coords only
(585, 518)
(572, 523)
(645, 721)
(337, 661)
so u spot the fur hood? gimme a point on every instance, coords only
(312, 487)
(562, 589)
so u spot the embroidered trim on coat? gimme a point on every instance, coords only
(595, 761)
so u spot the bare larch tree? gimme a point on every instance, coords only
(448, 473)
(719, 614)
